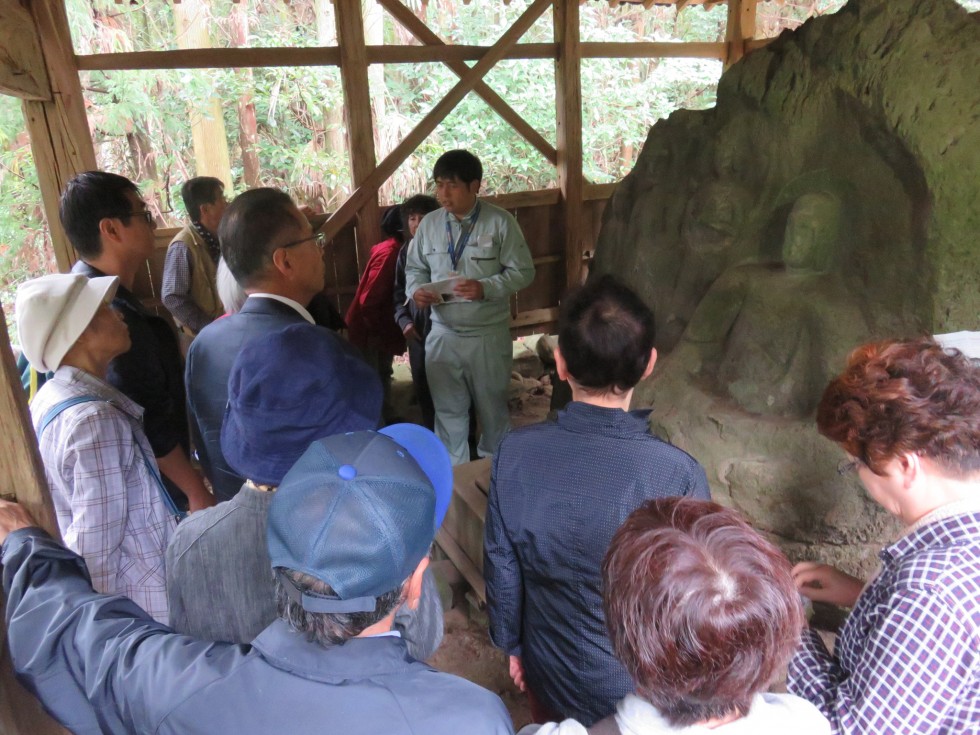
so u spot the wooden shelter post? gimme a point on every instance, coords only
(568, 88)
(740, 28)
(358, 118)
(23, 481)
(59, 132)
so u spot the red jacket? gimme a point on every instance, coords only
(371, 316)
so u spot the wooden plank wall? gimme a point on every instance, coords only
(533, 310)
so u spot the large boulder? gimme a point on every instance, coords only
(829, 198)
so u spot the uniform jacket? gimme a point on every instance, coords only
(203, 271)
(100, 664)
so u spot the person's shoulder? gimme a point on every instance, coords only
(211, 523)
(779, 712)
(475, 709)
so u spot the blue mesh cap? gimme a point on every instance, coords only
(357, 513)
(289, 388)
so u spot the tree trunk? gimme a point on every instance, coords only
(207, 125)
(333, 115)
(248, 128)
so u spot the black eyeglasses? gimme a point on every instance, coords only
(847, 466)
(319, 239)
(144, 213)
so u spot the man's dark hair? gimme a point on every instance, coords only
(251, 229)
(458, 164)
(605, 333)
(701, 610)
(327, 629)
(200, 190)
(418, 204)
(89, 198)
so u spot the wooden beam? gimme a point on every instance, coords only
(539, 198)
(23, 481)
(422, 32)
(242, 58)
(359, 121)
(599, 191)
(411, 141)
(60, 138)
(653, 50)
(534, 317)
(239, 58)
(568, 86)
(465, 566)
(22, 72)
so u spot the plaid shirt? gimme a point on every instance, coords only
(108, 505)
(908, 658)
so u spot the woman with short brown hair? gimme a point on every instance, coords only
(908, 416)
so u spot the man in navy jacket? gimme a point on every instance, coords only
(271, 250)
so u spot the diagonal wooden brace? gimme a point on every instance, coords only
(369, 186)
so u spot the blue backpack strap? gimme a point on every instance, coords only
(151, 465)
(57, 408)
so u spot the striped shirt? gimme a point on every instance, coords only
(107, 503)
(908, 658)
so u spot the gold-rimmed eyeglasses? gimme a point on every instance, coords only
(319, 239)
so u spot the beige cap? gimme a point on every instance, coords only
(53, 311)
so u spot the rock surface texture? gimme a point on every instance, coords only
(829, 198)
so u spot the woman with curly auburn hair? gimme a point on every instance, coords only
(703, 613)
(908, 659)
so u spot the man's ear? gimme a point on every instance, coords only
(413, 585)
(110, 228)
(909, 467)
(561, 367)
(474, 186)
(650, 363)
(281, 260)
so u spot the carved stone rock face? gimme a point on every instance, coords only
(828, 199)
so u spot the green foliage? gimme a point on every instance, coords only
(141, 119)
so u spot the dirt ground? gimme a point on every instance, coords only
(466, 649)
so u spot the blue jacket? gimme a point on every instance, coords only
(209, 362)
(100, 664)
(559, 490)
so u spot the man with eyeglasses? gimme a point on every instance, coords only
(273, 253)
(189, 287)
(108, 224)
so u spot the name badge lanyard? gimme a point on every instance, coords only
(455, 253)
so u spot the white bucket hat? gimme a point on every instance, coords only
(53, 311)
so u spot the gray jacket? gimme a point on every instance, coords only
(100, 664)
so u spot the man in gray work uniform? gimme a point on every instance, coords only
(479, 250)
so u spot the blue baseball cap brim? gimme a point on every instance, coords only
(431, 456)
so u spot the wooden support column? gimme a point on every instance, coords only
(568, 85)
(60, 137)
(359, 121)
(23, 481)
(740, 28)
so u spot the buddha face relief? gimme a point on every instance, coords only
(813, 233)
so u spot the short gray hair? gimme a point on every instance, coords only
(328, 629)
(231, 294)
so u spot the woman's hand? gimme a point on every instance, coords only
(824, 583)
